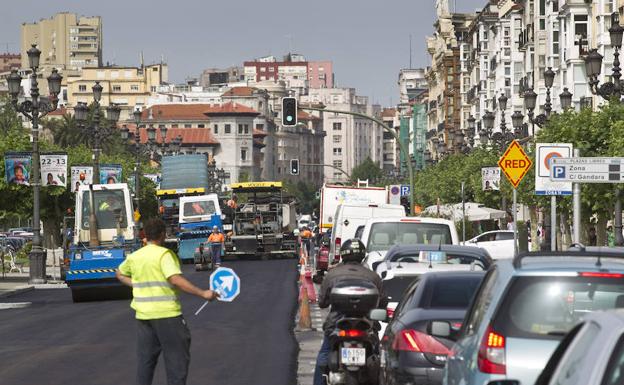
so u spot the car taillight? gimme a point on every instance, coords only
(591, 274)
(491, 357)
(353, 333)
(389, 312)
(415, 341)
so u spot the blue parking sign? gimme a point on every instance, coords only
(405, 190)
(559, 172)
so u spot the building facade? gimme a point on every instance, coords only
(212, 77)
(9, 61)
(66, 41)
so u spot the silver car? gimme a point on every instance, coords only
(524, 308)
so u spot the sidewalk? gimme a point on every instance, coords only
(309, 343)
(17, 282)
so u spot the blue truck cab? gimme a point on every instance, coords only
(197, 215)
(95, 254)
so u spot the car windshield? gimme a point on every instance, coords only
(453, 292)
(550, 306)
(199, 208)
(454, 259)
(109, 208)
(395, 287)
(385, 235)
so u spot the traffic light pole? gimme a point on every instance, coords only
(326, 165)
(402, 148)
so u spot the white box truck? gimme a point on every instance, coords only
(334, 195)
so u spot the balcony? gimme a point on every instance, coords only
(526, 37)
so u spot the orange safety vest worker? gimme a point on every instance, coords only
(306, 234)
(216, 238)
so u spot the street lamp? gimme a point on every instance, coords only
(35, 109)
(112, 114)
(530, 99)
(565, 99)
(488, 125)
(593, 64)
(517, 121)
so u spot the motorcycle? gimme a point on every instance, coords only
(354, 354)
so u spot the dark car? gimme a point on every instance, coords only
(410, 354)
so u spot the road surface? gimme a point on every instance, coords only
(249, 341)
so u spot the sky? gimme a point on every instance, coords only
(367, 40)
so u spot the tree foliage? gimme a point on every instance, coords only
(367, 170)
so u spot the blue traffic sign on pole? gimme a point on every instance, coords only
(405, 190)
(226, 283)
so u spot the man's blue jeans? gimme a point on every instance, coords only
(215, 249)
(322, 361)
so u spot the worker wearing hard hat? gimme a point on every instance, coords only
(216, 240)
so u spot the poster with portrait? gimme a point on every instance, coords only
(81, 175)
(490, 178)
(53, 169)
(17, 167)
(110, 173)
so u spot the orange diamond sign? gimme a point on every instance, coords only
(515, 163)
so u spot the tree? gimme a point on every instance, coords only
(367, 170)
(304, 193)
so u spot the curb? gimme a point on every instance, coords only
(17, 291)
(15, 305)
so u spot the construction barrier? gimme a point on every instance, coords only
(307, 292)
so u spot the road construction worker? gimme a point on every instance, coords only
(154, 273)
(306, 238)
(233, 203)
(217, 245)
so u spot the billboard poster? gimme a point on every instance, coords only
(87, 176)
(110, 173)
(490, 178)
(53, 169)
(17, 167)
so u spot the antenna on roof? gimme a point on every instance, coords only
(141, 59)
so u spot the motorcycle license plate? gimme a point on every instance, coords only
(353, 356)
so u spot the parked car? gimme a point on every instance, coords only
(349, 217)
(381, 234)
(409, 353)
(525, 306)
(592, 353)
(405, 264)
(499, 243)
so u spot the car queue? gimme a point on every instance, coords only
(457, 315)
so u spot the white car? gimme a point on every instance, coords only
(499, 243)
(380, 234)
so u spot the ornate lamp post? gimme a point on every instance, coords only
(112, 115)
(565, 99)
(502, 104)
(471, 130)
(34, 109)
(530, 99)
(488, 126)
(593, 64)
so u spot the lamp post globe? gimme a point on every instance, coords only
(14, 81)
(593, 63)
(616, 30)
(565, 99)
(549, 77)
(97, 91)
(163, 133)
(125, 132)
(112, 112)
(530, 99)
(488, 120)
(502, 102)
(54, 82)
(33, 56)
(80, 112)
(137, 116)
(151, 133)
(516, 119)
(471, 122)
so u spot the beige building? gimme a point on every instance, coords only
(66, 41)
(128, 87)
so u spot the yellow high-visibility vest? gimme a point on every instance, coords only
(154, 297)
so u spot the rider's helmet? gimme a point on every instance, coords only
(352, 250)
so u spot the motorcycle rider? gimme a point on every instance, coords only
(352, 253)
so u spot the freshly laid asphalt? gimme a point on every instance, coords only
(248, 341)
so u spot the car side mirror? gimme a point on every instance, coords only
(378, 315)
(440, 329)
(504, 382)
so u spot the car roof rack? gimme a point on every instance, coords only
(576, 250)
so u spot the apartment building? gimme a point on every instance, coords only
(66, 41)
(128, 87)
(349, 139)
(9, 61)
(211, 77)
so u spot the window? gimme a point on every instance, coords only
(116, 88)
(337, 151)
(555, 41)
(201, 126)
(134, 87)
(482, 302)
(243, 154)
(246, 128)
(187, 126)
(614, 374)
(385, 235)
(337, 126)
(228, 129)
(572, 361)
(82, 88)
(240, 129)
(215, 128)
(337, 138)
(174, 126)
(337, 163)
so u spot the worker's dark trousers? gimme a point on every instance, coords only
(172, 337)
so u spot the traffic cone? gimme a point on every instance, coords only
(305, 318)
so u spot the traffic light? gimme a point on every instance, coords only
(294, 166)
(289, 111)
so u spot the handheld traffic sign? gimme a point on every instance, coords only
(515, 163)
(588, 170)
(225, 282)
(545, 153)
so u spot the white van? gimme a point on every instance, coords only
(380, 234)
(349, 217)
